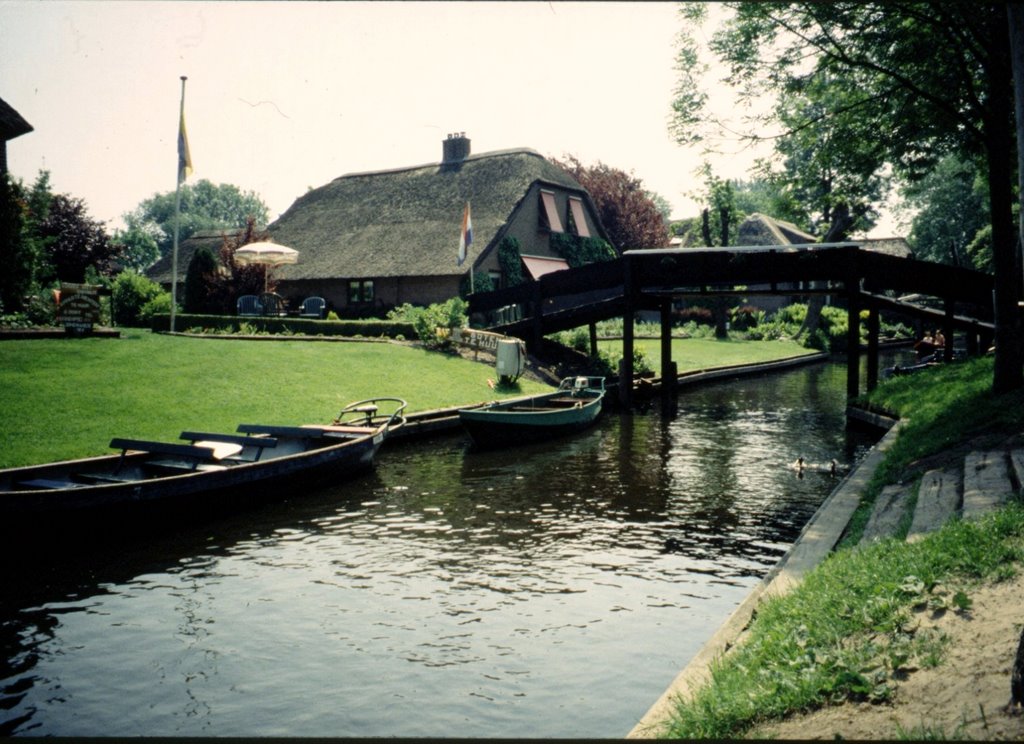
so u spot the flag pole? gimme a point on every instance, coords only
(177, 205)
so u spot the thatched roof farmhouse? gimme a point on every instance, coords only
(384, 238)
(371, 241)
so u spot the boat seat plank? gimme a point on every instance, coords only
(291, 432)
(348, 429)
(244, 440)
(162, 448)
(47, 484)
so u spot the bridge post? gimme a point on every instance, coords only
(853, 340)
(536, 340)
(948, 330)
(626, 365)
(873, 331)
(668, 367)
(592, 327)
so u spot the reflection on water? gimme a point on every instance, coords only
(549, 591)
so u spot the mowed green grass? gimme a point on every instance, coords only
(691, 354)
(66, 398)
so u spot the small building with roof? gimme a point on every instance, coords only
(12, 125)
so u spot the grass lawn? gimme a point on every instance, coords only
(691, 354)
(66, 398)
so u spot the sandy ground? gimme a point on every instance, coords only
(964, 698)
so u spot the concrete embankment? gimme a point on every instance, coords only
(817, 539)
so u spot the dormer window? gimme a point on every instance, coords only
(550, 212)
(577, 220)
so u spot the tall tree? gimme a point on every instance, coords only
(627, 211)
(74, 242)
(918, 80)
(204, 206)
(950, 206)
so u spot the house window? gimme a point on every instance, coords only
(576, 217)
(550, 212)
(495, 278)
(360, 291)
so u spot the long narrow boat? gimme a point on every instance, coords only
(573, 407)
(258, 463)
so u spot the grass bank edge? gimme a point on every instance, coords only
(847, 632)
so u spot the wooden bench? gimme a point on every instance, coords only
(290, 432)
(198, 438)
(195, 455)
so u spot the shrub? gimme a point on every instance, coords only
(745, 317)
(130, 293)
(698, 315)
(158, 305)
(427, 320)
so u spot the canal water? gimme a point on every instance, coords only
(546, 591)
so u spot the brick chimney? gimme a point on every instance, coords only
(455, 148)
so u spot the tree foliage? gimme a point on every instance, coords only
(241, 279)
(202, 283)
(74, 242)
(16, 257)
(204, 206)
(900, 84)
(626, 209)
(950, 205)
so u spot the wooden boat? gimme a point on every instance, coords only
(258, 463)
(573, 407)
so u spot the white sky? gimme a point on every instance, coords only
(285, 96)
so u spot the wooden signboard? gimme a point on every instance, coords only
(79, 308)
(477, 340)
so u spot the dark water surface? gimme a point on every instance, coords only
(546, 591)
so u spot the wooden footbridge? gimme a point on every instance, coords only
(652, 279)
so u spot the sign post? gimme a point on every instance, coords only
(79, 308)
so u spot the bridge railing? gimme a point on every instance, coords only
(532, 295)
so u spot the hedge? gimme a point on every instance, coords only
(293, 326)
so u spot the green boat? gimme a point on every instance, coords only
(573, 407)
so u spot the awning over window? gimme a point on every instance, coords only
(576, 208)
(551, 211)
(538, 266)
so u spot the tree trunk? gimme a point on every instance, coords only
(841, 224)
(1008, 374)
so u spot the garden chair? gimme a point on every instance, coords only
(312, 307)
(249, 305)
(273, 304)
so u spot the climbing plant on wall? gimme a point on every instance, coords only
(511, 262)
(578, 251)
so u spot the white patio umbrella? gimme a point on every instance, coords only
(267, 254)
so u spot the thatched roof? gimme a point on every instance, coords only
(11, 123)
(406, 222)
(760, 229)
(213, 239)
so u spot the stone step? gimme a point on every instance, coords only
(987, 483)
(890, 506)
(937, 500)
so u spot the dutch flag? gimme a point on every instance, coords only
(466, 238)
